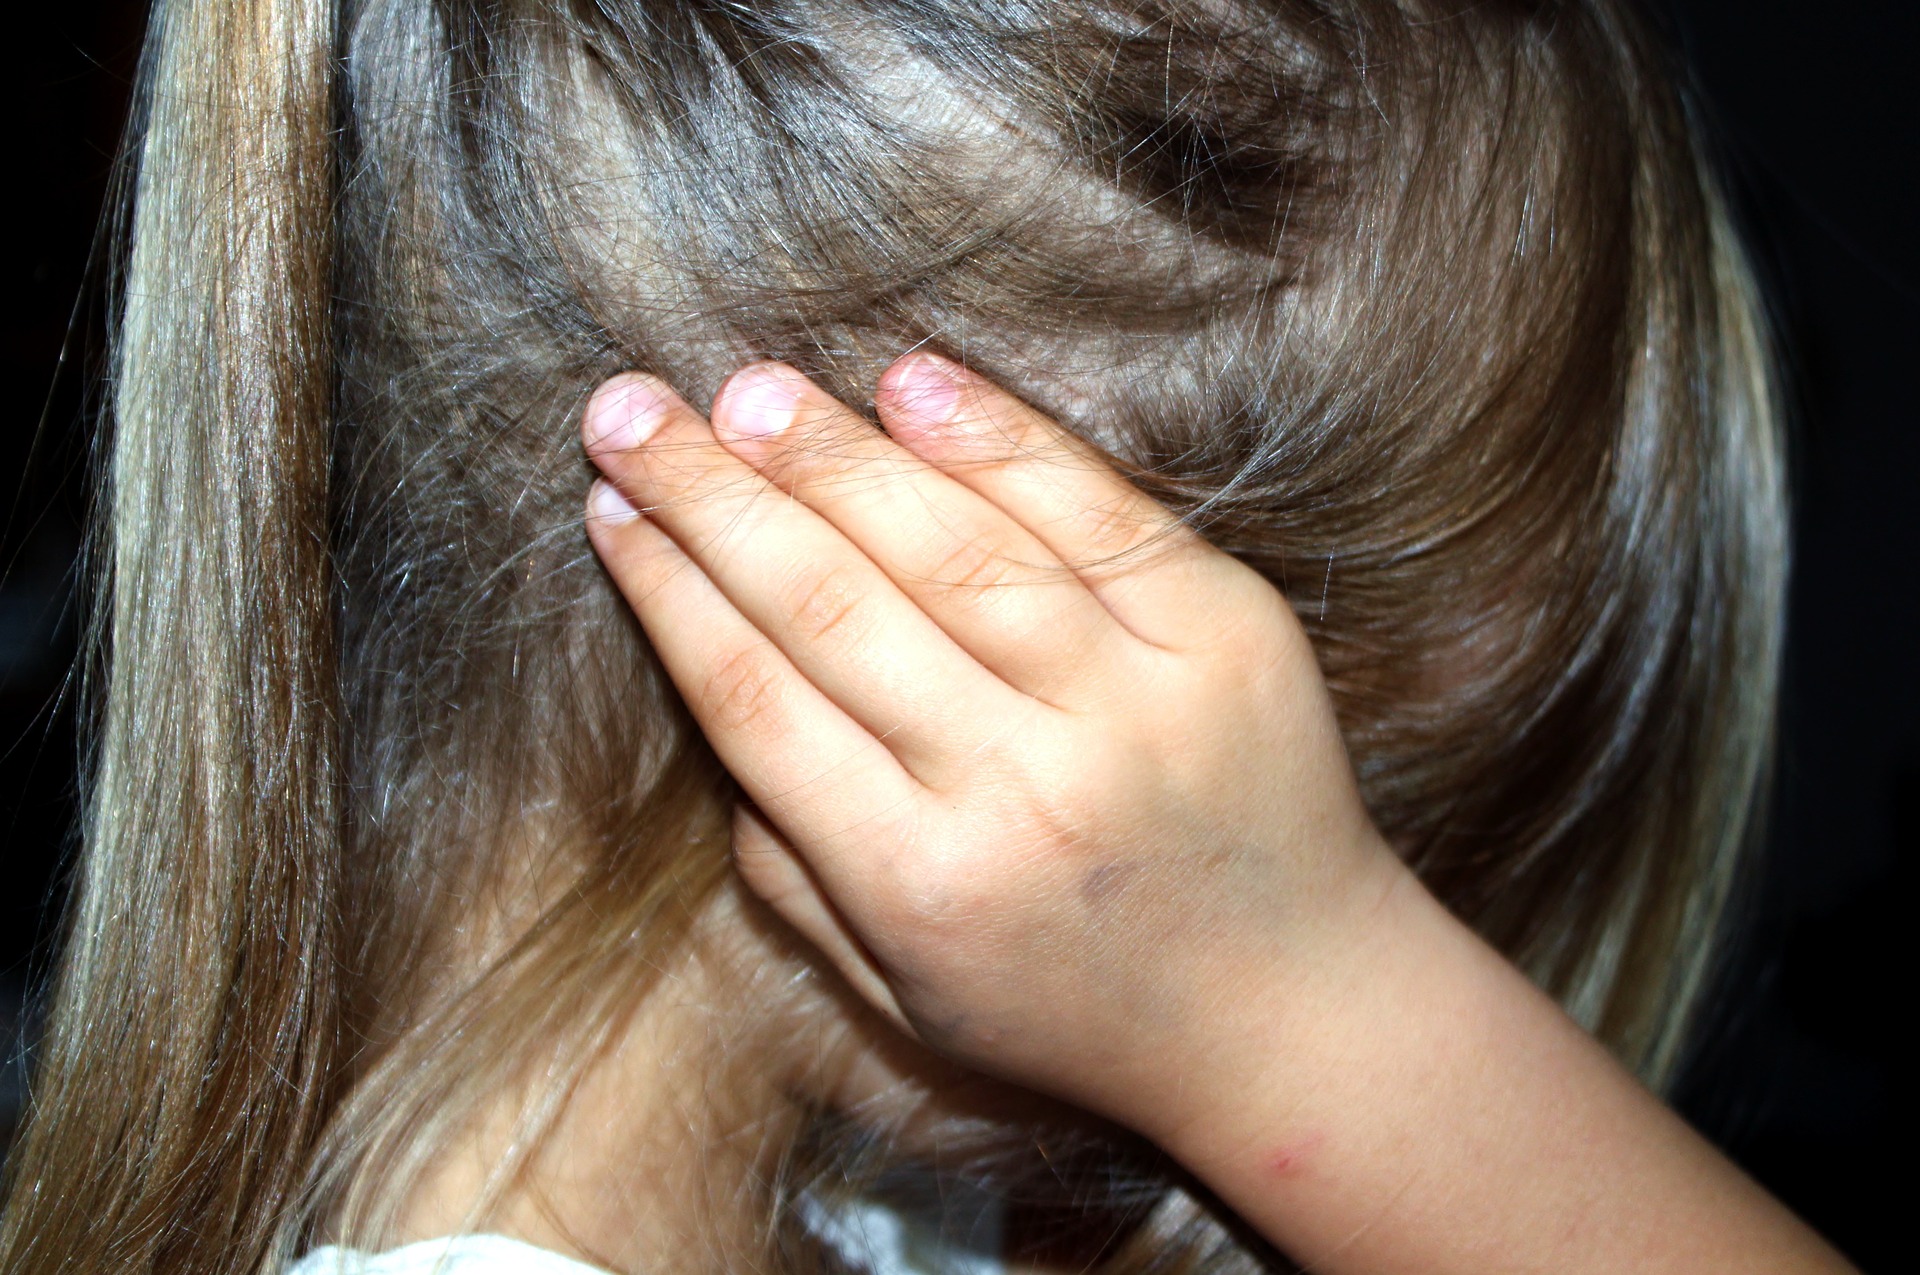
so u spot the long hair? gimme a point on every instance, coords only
(1431, 312)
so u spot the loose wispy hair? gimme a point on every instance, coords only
(1430, 311)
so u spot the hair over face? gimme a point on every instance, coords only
(1429, 311)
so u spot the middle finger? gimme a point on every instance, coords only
(986, 580)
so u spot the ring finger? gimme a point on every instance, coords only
(983, 578)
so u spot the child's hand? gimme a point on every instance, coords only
(1035, 765)
(1058, 787)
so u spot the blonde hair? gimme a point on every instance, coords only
(1430, 312)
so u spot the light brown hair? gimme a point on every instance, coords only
(1430, 311)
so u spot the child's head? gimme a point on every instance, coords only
(1427, 310)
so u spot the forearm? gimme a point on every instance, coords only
(981, 803)
(1411, 1103)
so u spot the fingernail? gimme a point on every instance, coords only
(608, 505)
(760, 402)
(926, 388)
(624, 414)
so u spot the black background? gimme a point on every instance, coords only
(1815, 108)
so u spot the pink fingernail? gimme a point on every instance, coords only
(760, 402)
(608, 505)
(926, 388)
(624, 414)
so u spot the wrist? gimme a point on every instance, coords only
(1383, 1092)
(1256, 1027)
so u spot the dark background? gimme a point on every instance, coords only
(1815, 107)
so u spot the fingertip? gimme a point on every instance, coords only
(607, 506)
(921, 394)
(759, 401)
(624, 412)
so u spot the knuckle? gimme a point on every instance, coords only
(926, 883)
(940, 916)
(1257, 629)
(742, 689)
(827, 603)
(1057, 828)
(971, 565)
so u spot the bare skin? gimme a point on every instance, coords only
(1057, 786)
(688, 1080)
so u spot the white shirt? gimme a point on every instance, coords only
(871, 1237)
(460, 1255)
